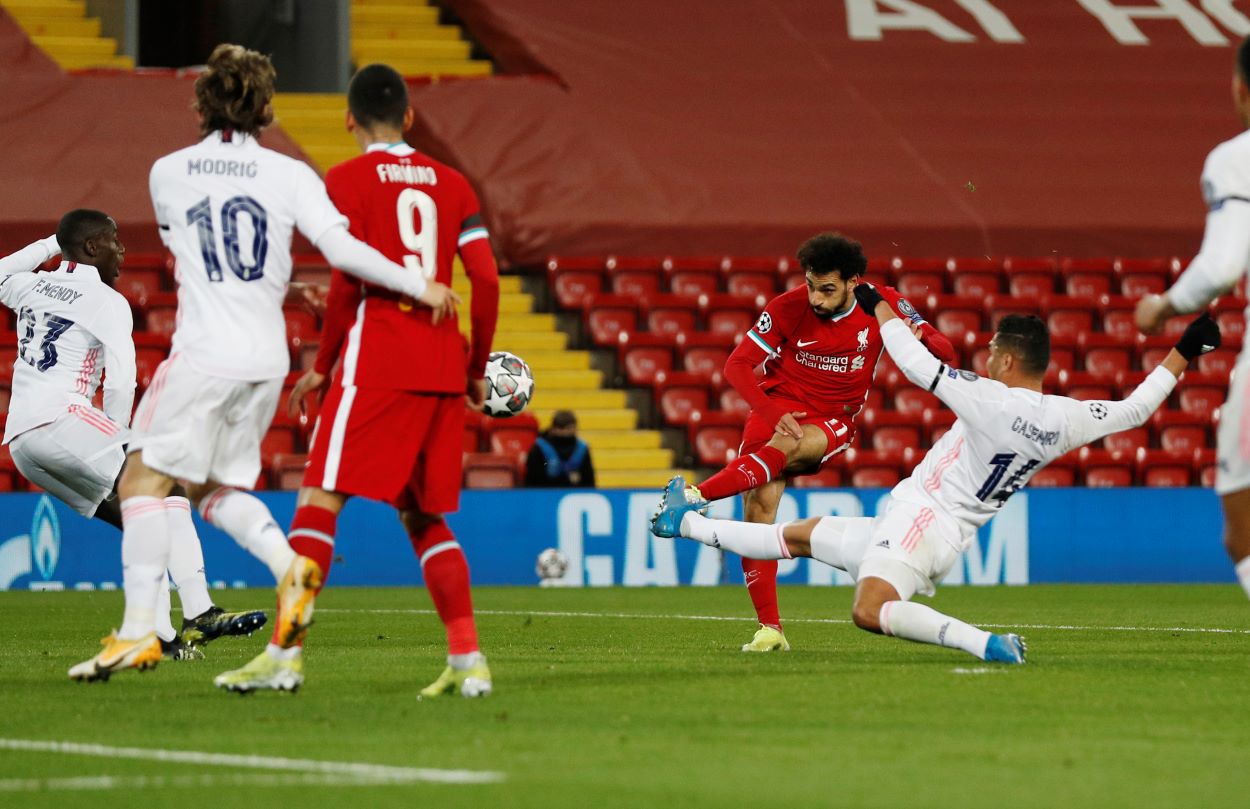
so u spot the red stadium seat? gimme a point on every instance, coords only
(301, 327)
(826, 478)
(313, 273)
(1164, 468)
(1204, 468)
(915, 400)
(1068, 317)
(1084, 385)
(643, 355)
(512, 441)
(751, 283)
(871, 469)
(1152, 350)
(574, 290)
(471, 439)
(147, 360)
(977, 350)
(1199, 399)
(717, 446)
(1000, 305)
(769, 264)
(889, 431)
(670, 314)
(977, 284)
(288, 471)
(1102, 468)
(730, 321)
(139, 285)
(919, 285)
(1179, 431)
(278, 441)
(496, 473)
(1030, 278)
(1218, 362)
(680, 397)
(1230, 315)
(634, 263)
(693, 282)
(1063, 353)
(1141, 276)
(704, 360)
(955, 315)
(1128, 440)
(1060, 472)
(1086, 277)
(635, 284)
(1104, 354)
(732, 402)
(609, 315)
(936, 423)
(161, 314)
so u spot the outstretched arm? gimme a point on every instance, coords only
(30, 257)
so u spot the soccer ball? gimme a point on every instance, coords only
(509, 385)
(551, 567)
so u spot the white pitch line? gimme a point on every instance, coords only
(380, 773)
(678, 617)
(139, 782)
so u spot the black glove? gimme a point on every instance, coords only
(1201, 336)
(868, 296)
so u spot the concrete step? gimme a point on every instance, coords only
(507, 284)
(636, 478)
(393, 15)
(572, 380)
(367, 51)
(46, 8)
(619, 439)
(519, 342)
(95, 47)
(632, 459)
(434, 67)
(310, 101)
(39, 25)
(540, 361)
(622, 419)
(75, 62)
(579, 401)
(386, 30)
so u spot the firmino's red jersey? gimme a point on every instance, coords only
(825, 364)
(419, 213)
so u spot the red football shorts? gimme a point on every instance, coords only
(398, 446)
(757, 432)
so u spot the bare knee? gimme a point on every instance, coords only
(866, 615)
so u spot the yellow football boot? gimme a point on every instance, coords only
(767, 639)
(119, 655)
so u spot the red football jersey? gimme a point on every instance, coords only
(825, 364)
(419, 213)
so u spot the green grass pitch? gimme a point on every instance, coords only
(627, 698)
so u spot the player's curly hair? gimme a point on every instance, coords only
(236, 91)
(1027, 338)
(832, 252)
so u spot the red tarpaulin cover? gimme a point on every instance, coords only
(86, 141)
(702, 126)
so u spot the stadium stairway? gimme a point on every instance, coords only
(624, 456)
(405, 35)
(62, 29)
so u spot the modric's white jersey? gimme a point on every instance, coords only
(1225, 254)
(1003, 436)
(71, 327)
(227, 208)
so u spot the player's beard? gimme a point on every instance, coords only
(829, 314)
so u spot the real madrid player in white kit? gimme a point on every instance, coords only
(1006, 430)
(74, 328)
(1219, 265)
(227, 209)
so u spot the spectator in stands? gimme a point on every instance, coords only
(559, 458)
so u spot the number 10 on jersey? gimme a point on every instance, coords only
(201, 215)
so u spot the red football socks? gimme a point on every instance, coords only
(744, 474)
(312, 535)
(446, 573)
(761, 577)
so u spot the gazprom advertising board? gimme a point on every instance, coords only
(1048, 535)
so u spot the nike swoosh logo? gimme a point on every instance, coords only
(803, 344)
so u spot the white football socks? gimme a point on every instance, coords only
(749, 539)
(250, 524)
(164, 626)
(278, 653)
(1243, 574)
(922, 624)
(145, 557)
(186, 558)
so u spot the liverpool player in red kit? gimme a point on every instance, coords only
(818, 351)
(392, 418)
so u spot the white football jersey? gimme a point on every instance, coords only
(1003, 436)
(1225, 253)
(71, 326)
(227, 208)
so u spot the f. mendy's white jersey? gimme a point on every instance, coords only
(1225, 253)
(1003, 435)
(227, 208)
(71, 327)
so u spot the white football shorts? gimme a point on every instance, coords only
(912, 547)
(197, 427)
(76, 458)
(1232, 438)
